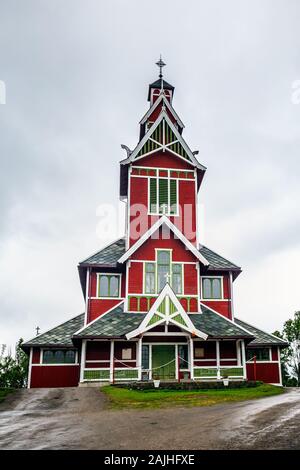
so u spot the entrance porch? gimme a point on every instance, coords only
(165, 358)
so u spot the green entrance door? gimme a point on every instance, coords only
(163, 362)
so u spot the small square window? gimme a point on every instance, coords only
(126, 353)
(199, 353)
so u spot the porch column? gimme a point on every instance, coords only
(244, 358)
(111, 363)
(191, 358)
(238, 352)
(139, 358)
(176, 362)
(218, 359)
(82, 361)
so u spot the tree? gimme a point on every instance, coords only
(290, 356)
(13, 371)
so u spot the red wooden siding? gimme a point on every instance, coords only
(164, 160)
(54, 376)
(97, 350)
(97, 307)
(36, 355)
(274, 351)
(147, 250)
(222, 307)
(267, 372)
(190, 279)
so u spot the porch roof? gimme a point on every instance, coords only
(60, 335)
(261, 337)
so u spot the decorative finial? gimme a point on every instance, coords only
(37, 330)
(160, 64)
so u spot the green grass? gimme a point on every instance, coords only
(4, 392)
(120, 398)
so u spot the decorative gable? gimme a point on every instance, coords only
(167, 310)
(163, 135)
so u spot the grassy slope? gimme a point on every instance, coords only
(124, 398)
(4, 392)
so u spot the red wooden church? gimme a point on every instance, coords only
(158, 303)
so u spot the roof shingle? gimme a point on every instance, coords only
(261, 337)
(60, 335)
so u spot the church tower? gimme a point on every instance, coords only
(158, 303)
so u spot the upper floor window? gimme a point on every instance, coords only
(212, 288)
(108, 285)
(164, 270)
(163, 196)
(59, 356)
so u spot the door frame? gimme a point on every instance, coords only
(164, 343)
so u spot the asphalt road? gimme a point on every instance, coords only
(76, 418)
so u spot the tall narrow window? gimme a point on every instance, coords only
(163, 269)
(153, 195)
(211, 288)
(108, 285)
(177, 278)
(173, 196)
(150, 278)
(163, 197)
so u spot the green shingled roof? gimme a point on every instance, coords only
(119, 323)
(261, 337)
(113, 324)
(216, 261)
(111, 253)
(216, 326)
(108, 255)
(61, 335)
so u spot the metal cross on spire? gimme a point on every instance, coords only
(160, 64)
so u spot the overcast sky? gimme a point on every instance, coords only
(77, 74)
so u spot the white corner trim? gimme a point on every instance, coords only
(163, 220)
(167, 291)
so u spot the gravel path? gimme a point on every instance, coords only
(76, 418)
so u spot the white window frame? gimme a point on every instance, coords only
(168, 178)
(155, 272)
(222, 288)
(118, 297)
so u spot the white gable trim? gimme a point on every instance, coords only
(169, 293)
(164, 220)
(225, 318)
(163, 115)
(163, 98)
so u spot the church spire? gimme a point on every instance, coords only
(160, 85)
(160, 64)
